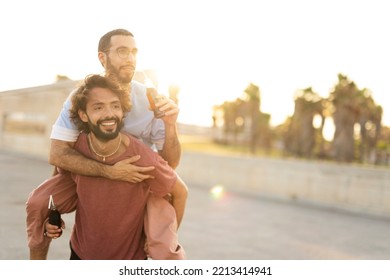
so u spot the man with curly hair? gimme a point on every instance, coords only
(117, 52)
(110, 214)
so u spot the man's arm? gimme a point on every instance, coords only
(179, 198)
(63, 155)
(171, 151)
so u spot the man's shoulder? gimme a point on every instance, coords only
(81, 139)
(136, 145)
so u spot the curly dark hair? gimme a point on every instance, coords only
(80, 97)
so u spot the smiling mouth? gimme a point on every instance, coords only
(108, 123)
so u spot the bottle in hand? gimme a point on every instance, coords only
(54, 215)
(151, 93)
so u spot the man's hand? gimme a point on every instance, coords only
(53, 231)
(64, 156)
(126, 171)
(170, 108)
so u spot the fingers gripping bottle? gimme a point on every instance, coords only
(54, 215)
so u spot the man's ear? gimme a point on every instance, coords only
(102, 58)
(83, 116)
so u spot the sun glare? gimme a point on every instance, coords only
(214, 60)
(217, 192)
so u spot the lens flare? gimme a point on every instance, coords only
(217, 192)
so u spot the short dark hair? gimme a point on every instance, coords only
(80, 97)
(105, 41)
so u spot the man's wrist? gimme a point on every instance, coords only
(171, 132)
(171, 125)
(104, 171)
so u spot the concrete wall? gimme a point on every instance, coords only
(27, 115)
(362, 189)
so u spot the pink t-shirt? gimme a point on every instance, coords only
(110, 214)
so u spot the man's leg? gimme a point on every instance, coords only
(160, 225)
(63, 190)
(39, 254)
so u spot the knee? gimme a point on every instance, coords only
(36, 203)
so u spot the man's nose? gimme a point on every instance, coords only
(108, 112)
(131, 58)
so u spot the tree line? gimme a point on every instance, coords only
(358, 132)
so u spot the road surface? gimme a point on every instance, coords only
(217, 225)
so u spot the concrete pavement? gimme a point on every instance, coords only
(217, 225)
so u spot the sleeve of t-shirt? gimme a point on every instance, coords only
(64, 129)
(164, 178)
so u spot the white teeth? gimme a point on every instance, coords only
(109, 123)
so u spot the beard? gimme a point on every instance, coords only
(103, 135)
(116, 74)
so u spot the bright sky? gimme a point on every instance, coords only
(212, 49)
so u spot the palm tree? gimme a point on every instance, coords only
(369, 120)
(230, 112)
(354, 106)
(344, 98)
(302, 134)
(242, 116)
(252, 94)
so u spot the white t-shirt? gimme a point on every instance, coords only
(139, 122)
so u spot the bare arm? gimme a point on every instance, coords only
(179, 198)
(171, 151)
(63, 155)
